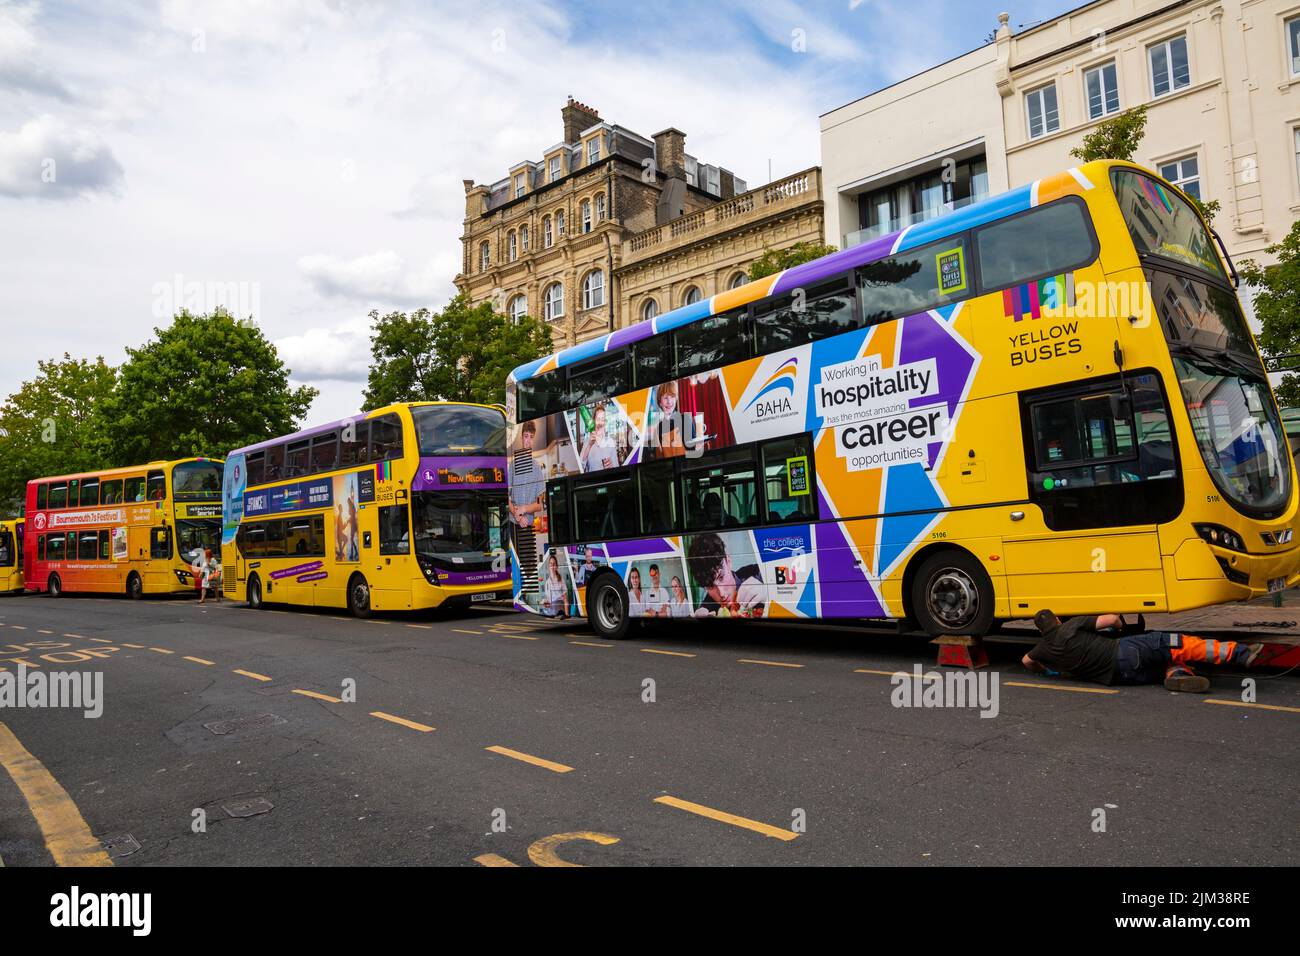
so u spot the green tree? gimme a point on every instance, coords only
(203, 385)
(1117, 138)
(1277, 306)
(50, 426)
(773, 261)
(463, 353)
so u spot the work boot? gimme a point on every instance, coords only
(1184, 680)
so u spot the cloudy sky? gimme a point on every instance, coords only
(302, 159)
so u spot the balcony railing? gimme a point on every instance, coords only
(884, 228)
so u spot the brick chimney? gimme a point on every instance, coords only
(577, 117)
(670, 153)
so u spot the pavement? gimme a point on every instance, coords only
(487, 738)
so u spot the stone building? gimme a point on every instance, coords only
(609, 221)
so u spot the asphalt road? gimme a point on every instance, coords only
(764, 744)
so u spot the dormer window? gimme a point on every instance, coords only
(519, 185)
(555, 169)
(593, 150)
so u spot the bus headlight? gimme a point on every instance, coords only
(430, 572)
(183, 577)
(1223, 537)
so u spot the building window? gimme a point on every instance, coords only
(693, 295)
(555, 169)
(1040, 105)
(1185, 173)
(1103, 90)
(593, 290)
(512, 246)
(922, 197)
(737, 280)
(1296, 133)
(554, 302)
(593, 150)
(1293, 44)
(517, 308)
(484, 257)
(559, 223)
(1169, 67)
(547, 236)
(650, 308)
(519, 185)
(523, 237)
(586, 215)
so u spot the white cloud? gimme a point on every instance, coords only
(381, 277)
(341, 353)
(20, 66)
(48, 159)
(287, 24)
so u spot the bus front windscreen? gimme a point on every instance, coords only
(1234, 418)
(459, 430)
(1163, 224)
(196, 481)
(457, 529)
(193, 537)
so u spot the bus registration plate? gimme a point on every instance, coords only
(1276, 584)
(484, 596)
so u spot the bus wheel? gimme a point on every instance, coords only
(255, 593)
(607, 609)
(358, 596)
(54, 586)
(134, 586)
(952, 594)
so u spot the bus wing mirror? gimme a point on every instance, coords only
(1121, 407)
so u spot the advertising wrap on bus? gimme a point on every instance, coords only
(232, 497)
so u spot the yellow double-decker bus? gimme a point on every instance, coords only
(401, 508)
(1049, 399)
(11, 555)
(130, 530)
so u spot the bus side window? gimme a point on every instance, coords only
(55, 547)
(709, 343)
(394, 538)
(653, 360)
(605, 509)
(157, 486)
(111, 492)
(557, 513)
(1046, 241)
(59, 495)
(275, 463)
(255, 468)
(40, 548)
(355, 452)
(658, 492)
(385, 438)
(104, 545)
(89, 492)
(324, 453)
(275, 541)
(42, 497)
(916, 280)
(134, 489)
(787, 479)
(296, 459)
(88, 546)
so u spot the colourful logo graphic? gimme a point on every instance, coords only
(784, 377)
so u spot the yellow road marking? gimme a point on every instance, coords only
(312, 693)
(373, 621)
(491, 859)
(43, 631)
(590, 644)
(1242, 703)
(199, 660)
(252, 675)
(529, 758)
(1065, 687)
(423, 627)
(161, 650)
(67, 836)
(80, 638)
(101, 640)
(519, 637)
(461, 630)
(517, 626)
(745, 660)
(402, 720)
(723, 817)
(653, 650)
(865, 670)
(543, 852)
(18, 627)
(138, 647)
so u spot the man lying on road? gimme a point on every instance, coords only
(1106, 650)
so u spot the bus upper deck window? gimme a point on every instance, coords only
(89, 492)
(42, 497)
(157, 486)
(296, 458)
(355, 451)
(385, 438)
(134, 490)
(1047, 241)
(653, 360)
(110, 492)
(324, 452)
(275, 463)
(59, 495)
(255, 468)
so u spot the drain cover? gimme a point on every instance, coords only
(248, 808)
(120, 845)
(222, 727)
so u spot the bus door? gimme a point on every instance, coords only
(1102, 476)
(391, 582)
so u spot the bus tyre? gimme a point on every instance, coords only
(134, 586)
(607, 607)
(952, 594)
(255, 593)
(358, 596)
(54, 586)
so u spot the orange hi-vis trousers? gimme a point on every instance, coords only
(1144, 658)
(1207, 650)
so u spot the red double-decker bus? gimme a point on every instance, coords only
(132, 531)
